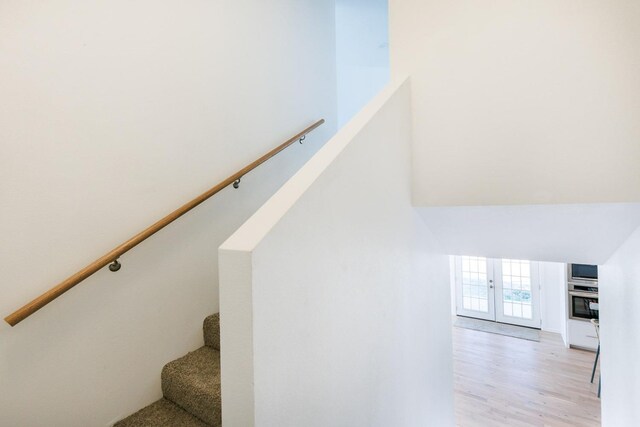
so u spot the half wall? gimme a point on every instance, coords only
(334, 296)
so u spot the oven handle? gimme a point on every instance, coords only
(583, 294)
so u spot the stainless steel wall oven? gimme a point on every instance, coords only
(583, 304)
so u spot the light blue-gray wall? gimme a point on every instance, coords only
(362, 49)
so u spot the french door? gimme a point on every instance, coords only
(475, 287)
(502, 290)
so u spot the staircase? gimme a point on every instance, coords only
(190, 386)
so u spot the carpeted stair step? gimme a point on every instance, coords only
(191, 388)
(211, 329)
(193, 383)
(161, 414)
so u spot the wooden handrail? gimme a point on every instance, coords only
(112, 256)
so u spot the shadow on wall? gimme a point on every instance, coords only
(362, 53)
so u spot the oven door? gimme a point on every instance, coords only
(583, 305)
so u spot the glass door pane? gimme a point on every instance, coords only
(517, 292)
(474, 287)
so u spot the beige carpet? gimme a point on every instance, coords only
(190, 386)
(497, 328)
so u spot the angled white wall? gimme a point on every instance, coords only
(334, 295)
(619, 291)
(521, 102)
(587, 234)
(113, 114)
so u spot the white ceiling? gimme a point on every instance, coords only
(564, 233)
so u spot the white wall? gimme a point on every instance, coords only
(114, 113)
(521, 102)
(452, 284)
(334, 296)
(619, 292)
(362, 53)
(553, 298)
(579, 233)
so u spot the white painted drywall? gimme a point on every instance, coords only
(521, 102)
(113, 114)
(346, 307)
(619, 292)
(452, 285)
(362, 53)
(553, 298)
(586, 234)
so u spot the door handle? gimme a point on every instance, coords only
(491, 284)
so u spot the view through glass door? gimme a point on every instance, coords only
(474, 288)
(502, 290)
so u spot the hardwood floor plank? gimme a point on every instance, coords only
(506, 381)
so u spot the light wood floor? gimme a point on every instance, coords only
(505, 381)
